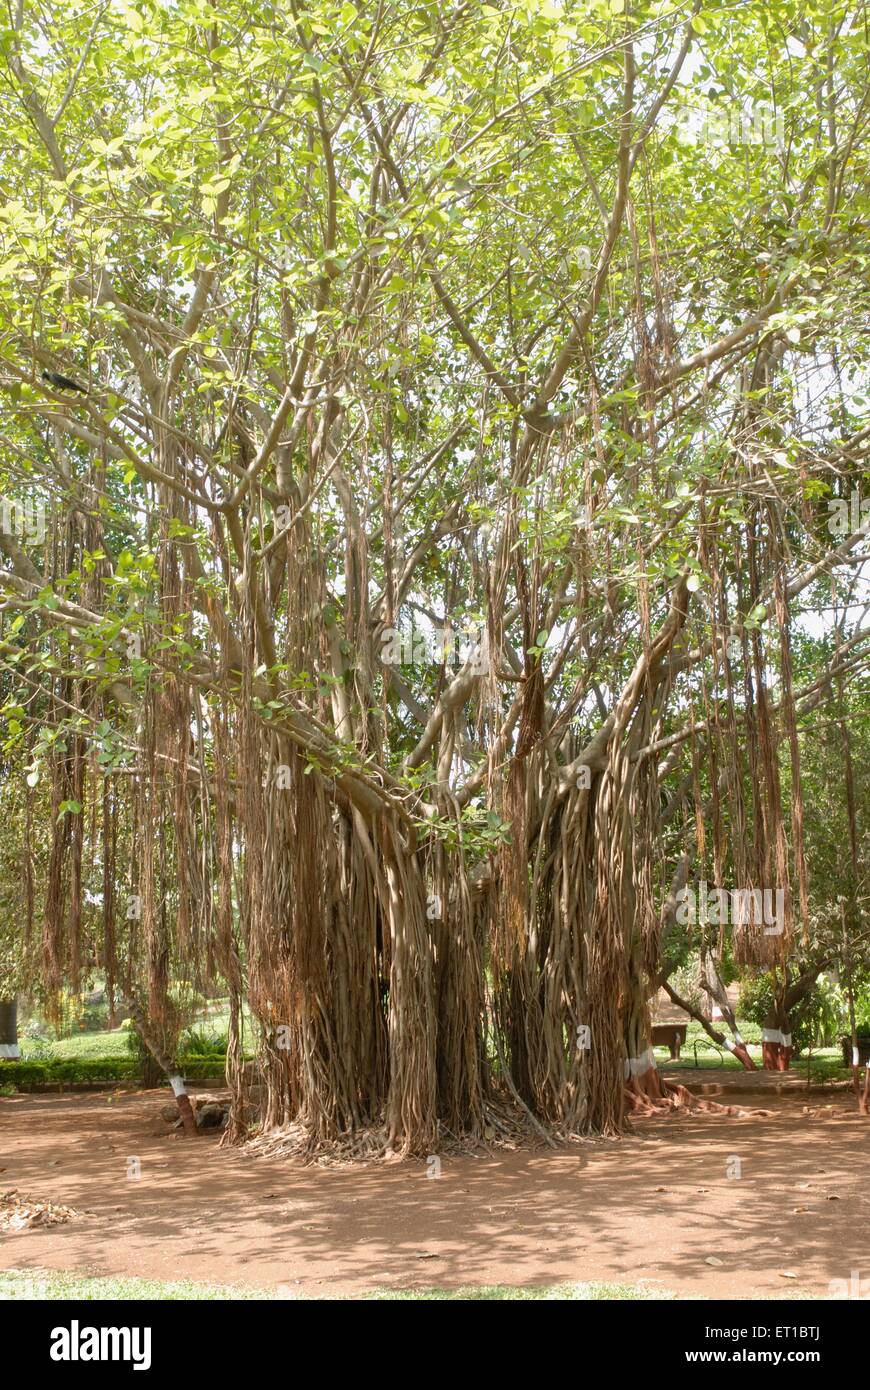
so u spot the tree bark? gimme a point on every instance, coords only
(9, 1049)
(860, 1096)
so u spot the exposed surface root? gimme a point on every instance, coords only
(650, 1094)
(505, 1127)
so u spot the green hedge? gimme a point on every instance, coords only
(204, 1067)
(85, 1069)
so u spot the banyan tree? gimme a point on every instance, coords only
(419, 433)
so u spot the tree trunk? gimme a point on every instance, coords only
(737, 1048)
(860, 1096)
(179, 1090)
(9, 1049)
(776, 1043)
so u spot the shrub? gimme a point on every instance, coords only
(828, 1012)
(756, 1000)
(197, 1042)
(146, 1066)
(92, 1069)
(685, 982)
(204, 1068)
(94, 1017)
(78, 1070)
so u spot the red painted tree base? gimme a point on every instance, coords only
(649, 1093)
(775, 1057)
(741, 1052)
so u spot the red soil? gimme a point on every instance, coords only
(651, 1209)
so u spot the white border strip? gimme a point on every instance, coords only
(773, 1035)
(638, 1066)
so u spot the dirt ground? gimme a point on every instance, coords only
(652, 1209)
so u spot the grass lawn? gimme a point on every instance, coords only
(698, 1050)
(46, 1285)
(78, 1047)
(214, 1019)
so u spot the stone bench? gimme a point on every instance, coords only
(670, 1035)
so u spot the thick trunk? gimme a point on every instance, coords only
(776, 1042)
(9, 1049)
(370, 993)
(776, 1036)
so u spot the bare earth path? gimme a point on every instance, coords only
(650, 1209)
